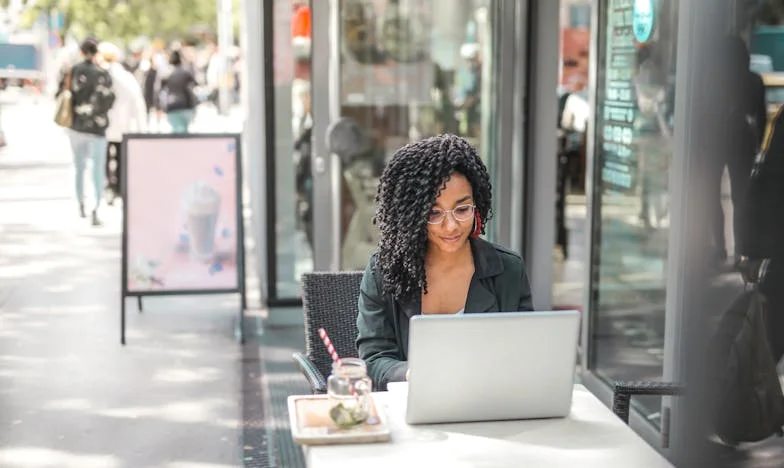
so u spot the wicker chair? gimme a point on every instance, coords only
(624, 390)
(330, 301)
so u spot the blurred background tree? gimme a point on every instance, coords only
(125, 20)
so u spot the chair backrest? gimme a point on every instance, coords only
(330, 301)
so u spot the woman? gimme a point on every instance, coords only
(127, 115)
(432, 204)
(92, 97)
(178, 97)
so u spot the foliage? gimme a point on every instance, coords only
(123, 20)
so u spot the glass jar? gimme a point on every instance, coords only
(349, 389)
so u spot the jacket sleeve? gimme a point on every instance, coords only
(376, 341)
(526, 302)
(105, 93)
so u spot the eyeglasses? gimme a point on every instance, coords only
(460, 213)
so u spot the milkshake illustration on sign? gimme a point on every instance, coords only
(202, 207)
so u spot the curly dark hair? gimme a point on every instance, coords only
(408, 189)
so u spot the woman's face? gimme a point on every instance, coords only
(452, 233)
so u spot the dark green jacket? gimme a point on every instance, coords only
(499, 284)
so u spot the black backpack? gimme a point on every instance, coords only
(747, 400)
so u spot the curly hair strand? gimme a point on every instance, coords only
(409, 186)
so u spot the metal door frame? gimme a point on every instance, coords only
(325, 109)
(592, 382)
(540, 172)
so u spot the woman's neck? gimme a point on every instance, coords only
(435, 258)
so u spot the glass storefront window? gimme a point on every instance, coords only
(293, 228)
(764, 34)
(634, 122)
(408, 69)
(574, 112)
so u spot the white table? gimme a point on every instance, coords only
(591, 436)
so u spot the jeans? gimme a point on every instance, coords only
(739, 170)
(86, 146)
(180, 120)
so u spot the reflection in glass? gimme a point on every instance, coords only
(293, 128)
(409, 69)
(635, 96)
(570, 256)
(764, 43)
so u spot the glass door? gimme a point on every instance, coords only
(630, 225)
(386, 72)
(287, 38)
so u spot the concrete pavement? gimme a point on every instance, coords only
(70, 395)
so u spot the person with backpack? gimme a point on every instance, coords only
(92, 97)
(747, 399)
(742, 116)
(764, 226)
(178, 97)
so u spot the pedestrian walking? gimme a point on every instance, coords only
(92, 97)
(127, 115)
(178, 96)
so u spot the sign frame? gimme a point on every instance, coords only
(241, 287)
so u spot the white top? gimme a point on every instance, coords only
(591, 436)
(129, 112)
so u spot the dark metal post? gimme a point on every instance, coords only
(243, 306)
(122, 321)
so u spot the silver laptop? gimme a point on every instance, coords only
(491, 366)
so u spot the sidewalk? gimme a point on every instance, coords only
(70, 394)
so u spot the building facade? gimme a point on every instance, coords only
(584, 113)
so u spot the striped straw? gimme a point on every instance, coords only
(328, 345)
(332, 352)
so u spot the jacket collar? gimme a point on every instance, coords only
(487, 264)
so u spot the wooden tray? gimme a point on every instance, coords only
(311, 424)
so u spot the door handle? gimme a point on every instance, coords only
(319, 165)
